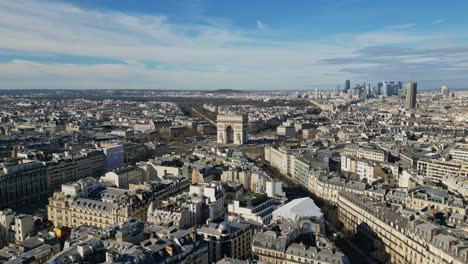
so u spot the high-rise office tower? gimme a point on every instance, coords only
(388, 89)
(357, 90)
(347, 86)
(384, 89)
(368, 89)
(400, 91)
(411, 90)
(444, 90)
(379, 87)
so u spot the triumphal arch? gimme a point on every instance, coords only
(232, 129)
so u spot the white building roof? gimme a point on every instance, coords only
(296, 209)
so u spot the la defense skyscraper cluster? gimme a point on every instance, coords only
(411, 90)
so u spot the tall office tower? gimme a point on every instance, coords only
(347, 86)
(337, 90)
(400, 92)
(388, 89)
(394, 88)
(411, 90)
(383, 91)
(367, 89)
(444, 90)
(357, 90)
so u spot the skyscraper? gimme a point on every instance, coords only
(347, 86)
(388, 89)
(411, 90)
(384, 89)
(400, 91)
(379, 87)
(444, 90)
(367, 90)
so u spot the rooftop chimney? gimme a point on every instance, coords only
(170, 250)
(193, 235)
(14, 153)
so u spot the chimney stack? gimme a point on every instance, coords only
(170, 250)
(193, 235)
(14, 153)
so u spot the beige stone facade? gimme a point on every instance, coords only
(113, 206)
(406, 240)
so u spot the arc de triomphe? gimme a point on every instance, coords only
(232, 129)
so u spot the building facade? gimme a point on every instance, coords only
(406, 240)
(257, 207)
(227, 239)
(87, 202)
(22, 182)
(436, 170)
(72, 168)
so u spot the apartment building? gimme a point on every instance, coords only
(366, 152)
(128, 242)
(328, 188)
(301, 170)
(459, 153)
(457, 184)
(425, 197)
(348, 164)
(162, 190)
(283, 245)
(436, 170)
(87, 202)
(257, 207)
(171, 215)
(409, 155)
(14, 227)
(114, 154)
(123, 177)
(22, 182)
(294, 163)
(214, 194)
(36, 249)
(285, 130)
(406, 240)
(227, 239)
(239, 176)
(279, 158)
(69, 168)
(370, 171)
(203, 202)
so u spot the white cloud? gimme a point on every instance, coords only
(261, 25)
(191, 56)
(387, 37)
(438, 21)
(402, 26)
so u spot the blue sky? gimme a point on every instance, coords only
(238, 44)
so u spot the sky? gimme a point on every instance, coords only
(221, 44)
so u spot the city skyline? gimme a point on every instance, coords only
(210, 45)
(233, 132)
